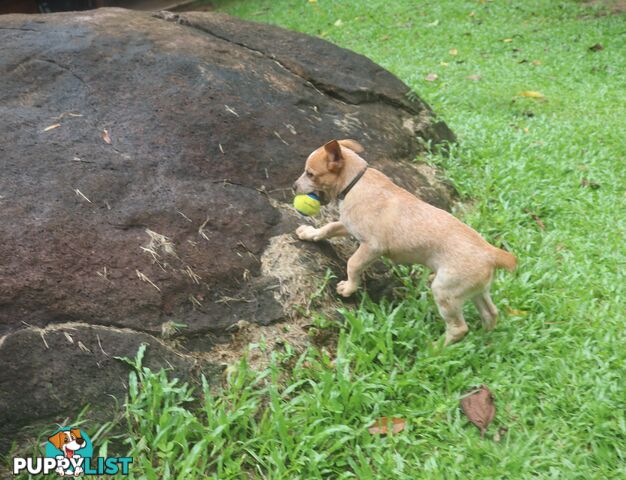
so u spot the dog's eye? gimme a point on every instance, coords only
(309, 174)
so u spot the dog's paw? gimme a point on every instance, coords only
(346, 288)
(489, 324)
(307, 232)
(455, 333)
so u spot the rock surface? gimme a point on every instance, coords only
(146, 168)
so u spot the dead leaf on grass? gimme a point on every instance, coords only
(454, 52)
(479, 407)
(431, 77)
(531, 94)
(586, 183)
(596, 48)
(537, 220)
(520, 313)
(474, 78)
(385, 425)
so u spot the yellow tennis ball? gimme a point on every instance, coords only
(308, 204)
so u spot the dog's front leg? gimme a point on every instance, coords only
(312, 234)
(357, 263)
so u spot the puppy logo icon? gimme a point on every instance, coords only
(70, 446)
(70, 453)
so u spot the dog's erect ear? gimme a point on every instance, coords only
(353, 145)
(335, 159)
(76, 433)
(57, 439)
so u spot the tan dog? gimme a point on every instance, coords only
(389, 221)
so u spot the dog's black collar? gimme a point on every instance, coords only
(346, 190)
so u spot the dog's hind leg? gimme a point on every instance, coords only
(487, 310)
(450, 302)
(312, 234)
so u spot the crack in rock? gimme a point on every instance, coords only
(362, 98)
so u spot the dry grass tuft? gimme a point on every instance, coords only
(160, 243)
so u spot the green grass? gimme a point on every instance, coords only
(556, 361)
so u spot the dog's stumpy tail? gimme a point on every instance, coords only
(504, 259)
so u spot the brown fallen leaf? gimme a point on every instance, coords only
(474, 78)
(431, 77)
(105, 136)
(537, 220)
(52, 127)
(596, 48)
(479, 407)
(586, 183)
(454, 52)
(384, 425)
(536, 62)
(520, 313)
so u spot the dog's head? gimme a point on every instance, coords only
(68, 441)
(323, 169)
